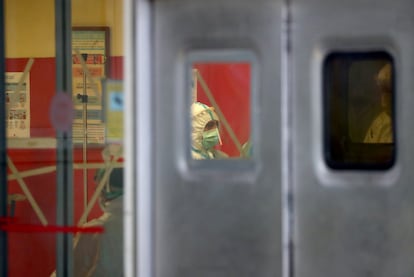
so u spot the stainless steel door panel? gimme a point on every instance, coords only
(210, 221)
(350, 223)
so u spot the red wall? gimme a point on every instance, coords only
(33, 254)
(230, 85)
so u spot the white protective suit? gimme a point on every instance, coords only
(381, 130)
(201, 115)
(110, 252)
(102, 254)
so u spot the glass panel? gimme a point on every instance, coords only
(31, 141)
(359, 114)
(35, 111)
(221, 110)
(97, 72)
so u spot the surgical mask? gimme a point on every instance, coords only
(210, 138)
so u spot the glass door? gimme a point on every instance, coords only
(63, 124)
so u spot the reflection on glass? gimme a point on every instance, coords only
(31, 157)
(380, 130)
(358, 97)
(97, 93)
(220, 112)
(100, 254)
(33, 119)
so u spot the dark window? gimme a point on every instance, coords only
(359, 98)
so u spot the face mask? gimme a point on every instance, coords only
(210, 138)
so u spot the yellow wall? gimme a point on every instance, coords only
(30, 25)
(29, 28)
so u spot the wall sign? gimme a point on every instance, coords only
(90, 56)
(114, 110)
(18, 104)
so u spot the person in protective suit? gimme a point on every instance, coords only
(102, 254)
(205, 133)
(381, 129)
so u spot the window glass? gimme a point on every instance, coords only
(359, 116)
(97, 135)
(220, 112)
(92, 113)
(31, 141)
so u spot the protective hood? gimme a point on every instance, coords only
(201, 115)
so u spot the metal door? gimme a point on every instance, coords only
(217, 217)
(350, 222)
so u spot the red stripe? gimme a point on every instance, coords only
(32, 228)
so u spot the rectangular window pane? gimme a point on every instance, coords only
(220, 112)
(359, 110)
